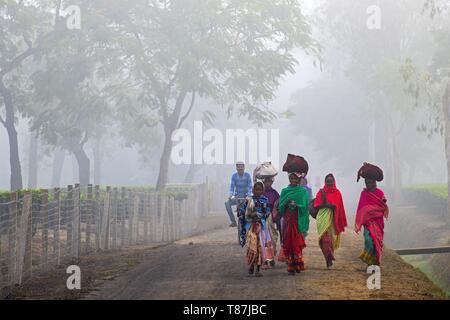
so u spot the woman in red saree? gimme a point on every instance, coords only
(372, 210)
(331, 219)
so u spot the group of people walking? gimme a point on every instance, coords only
(267, 217)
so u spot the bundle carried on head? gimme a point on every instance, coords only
(296, 164)
(370, 171)
(264, 170)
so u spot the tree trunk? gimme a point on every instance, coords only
(84, 166)
(14, 160)
(170, 123)
(446, 109)
(33, 161)
(58, 163)
(97, 162)
(165, 158)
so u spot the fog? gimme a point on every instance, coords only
(352, 95)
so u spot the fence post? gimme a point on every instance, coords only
(89, 218)
(122, 214)
(146, 214)
(97, 216)
(176, 220)
(171, 219)
(105, 220)
(69, 221)
(165, 217)
(183, 217)
(134, 219)
(114, 214)
(24, 238)
(76, 224)
(45, 226)
(56, 242)
(12, 241)
(208, 196)
(153, 209)
(161, 216)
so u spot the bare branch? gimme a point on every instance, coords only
(29, 52)
(17, 61)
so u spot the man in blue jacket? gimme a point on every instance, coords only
(240, 187)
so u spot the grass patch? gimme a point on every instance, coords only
(423, 265)
(438, 190)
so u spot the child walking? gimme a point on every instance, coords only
(256, 211)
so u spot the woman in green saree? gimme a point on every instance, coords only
(293, 208)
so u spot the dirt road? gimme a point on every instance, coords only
(211, 266)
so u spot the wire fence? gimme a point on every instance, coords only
(42, 229)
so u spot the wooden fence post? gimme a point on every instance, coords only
(69, 221)
(146, 213)
(45, 225)
(122, 213)
(76, 224)
(176, 219)
(171, 219)
(24, 238)
(108, 219)
(104, 231)
(56, 230)
(97, 217)
(12, 241)
(134, 219)
(163, 218)
(114, 214)
(153, 209)
(89, 218)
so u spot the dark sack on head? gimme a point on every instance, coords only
(295, 164)
(370, 171)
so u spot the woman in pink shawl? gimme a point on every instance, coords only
(372, 210)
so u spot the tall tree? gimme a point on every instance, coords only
(430, 84)
(372, 59)
(27, 26)
(230, 51)
(72, 104)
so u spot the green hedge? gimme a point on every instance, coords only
(179, 192)
(438, 190)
